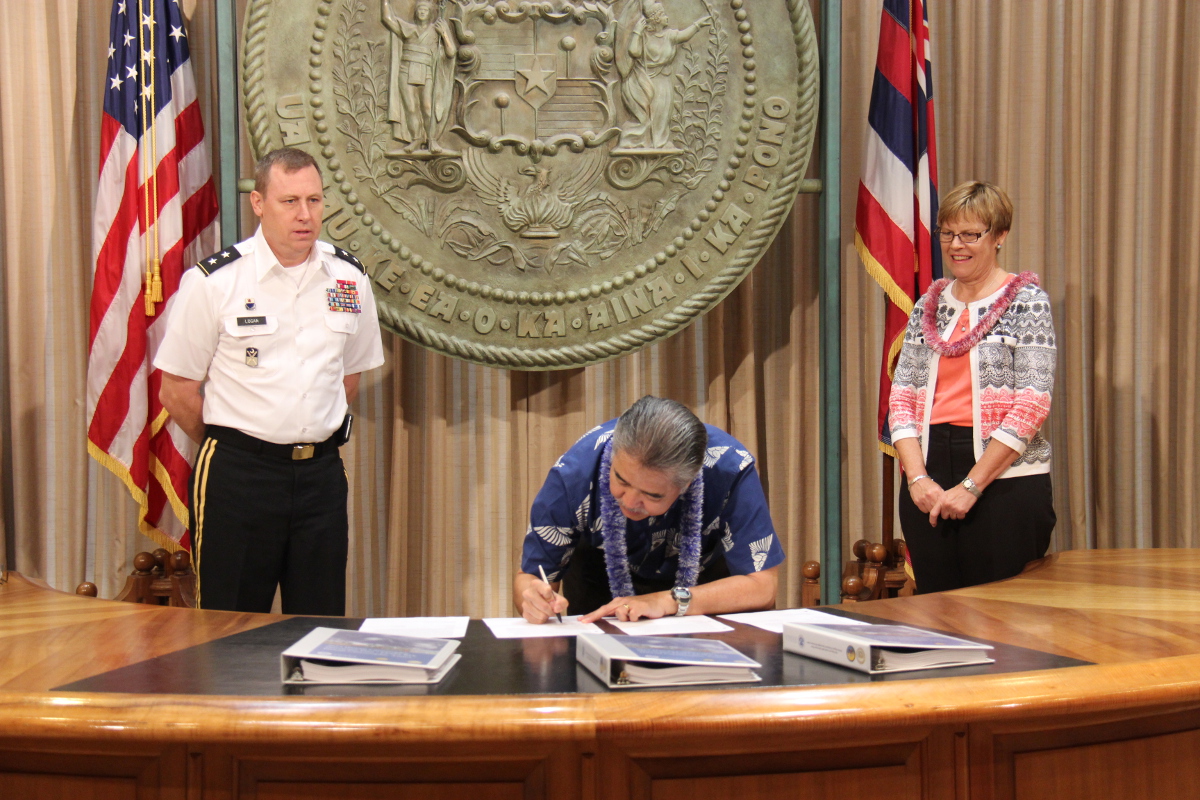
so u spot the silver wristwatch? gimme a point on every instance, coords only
(683, 598)
(970, 486)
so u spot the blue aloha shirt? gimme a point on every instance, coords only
(735, 521)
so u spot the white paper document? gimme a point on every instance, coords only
(520, 628)
(666, 626)
(773, 620)
(428, 627)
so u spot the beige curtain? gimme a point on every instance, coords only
(1085, 111)
(472, 445)
(44, 169)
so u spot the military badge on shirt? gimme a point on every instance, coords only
(251, 356)
(250, 303)
(344, 297)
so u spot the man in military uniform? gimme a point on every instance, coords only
(264, 347)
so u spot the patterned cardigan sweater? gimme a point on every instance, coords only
(1012, 372)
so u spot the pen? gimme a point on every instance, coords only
(542, 570)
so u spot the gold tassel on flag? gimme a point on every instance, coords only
(156, 286)
(148, 293)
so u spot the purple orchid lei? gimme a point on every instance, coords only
(981, 329)
(616, 551)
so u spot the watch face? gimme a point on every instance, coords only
(681, 594)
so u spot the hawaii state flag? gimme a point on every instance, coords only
(156, 215)
(897, 196)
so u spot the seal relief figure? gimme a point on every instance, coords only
(646, 64)
(420, 77)
(542, 185)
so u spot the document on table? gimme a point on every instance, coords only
(520, 628)
(666, 626)
(427, 627)
(773, 620)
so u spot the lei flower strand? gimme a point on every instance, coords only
(982, 328)
(616, 551)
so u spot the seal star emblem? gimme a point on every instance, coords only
(535, 76)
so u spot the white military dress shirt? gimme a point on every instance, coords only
(274, 343)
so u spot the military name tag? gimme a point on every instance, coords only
(541, 185)
(241, 321)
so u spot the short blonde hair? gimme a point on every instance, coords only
(288, 159)
(985, 201)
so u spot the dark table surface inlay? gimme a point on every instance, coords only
(247, 664)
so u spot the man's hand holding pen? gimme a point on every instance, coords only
(541, 601)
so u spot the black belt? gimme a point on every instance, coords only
(287, 452)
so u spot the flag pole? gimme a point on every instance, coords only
(889, 498)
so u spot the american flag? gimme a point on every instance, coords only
(156, 215)
(897, 196)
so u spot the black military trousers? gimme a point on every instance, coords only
(261, 520)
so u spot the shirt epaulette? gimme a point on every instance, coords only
(345, 256)
(217, 260)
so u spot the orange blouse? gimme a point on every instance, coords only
(952, 397)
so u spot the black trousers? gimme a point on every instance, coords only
(260, 521)
(585, 582)
(1009, 526)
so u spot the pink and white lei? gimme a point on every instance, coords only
(954, 349)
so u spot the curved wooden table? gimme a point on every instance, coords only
(1127, 727)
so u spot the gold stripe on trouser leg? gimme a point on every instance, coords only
(199, 487)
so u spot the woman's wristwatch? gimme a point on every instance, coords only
(970, 486)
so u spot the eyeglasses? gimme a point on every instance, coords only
(966, 237)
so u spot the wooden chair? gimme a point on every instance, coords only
(158, 578)
(810, 586)
(877, 572)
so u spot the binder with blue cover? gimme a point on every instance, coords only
(332, 655)
(624, 662)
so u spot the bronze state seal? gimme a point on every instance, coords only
(541, 185)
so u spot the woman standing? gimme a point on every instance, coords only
(970, 393)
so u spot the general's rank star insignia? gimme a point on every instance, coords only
(214, 262)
